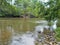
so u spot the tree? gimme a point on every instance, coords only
(33, 7)
(52, 12)
(7, 10)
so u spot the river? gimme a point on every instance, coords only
(28, 37)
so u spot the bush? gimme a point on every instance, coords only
(57, 35)
(58, 23)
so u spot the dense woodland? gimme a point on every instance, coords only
(48, 10)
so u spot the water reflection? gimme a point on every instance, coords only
(29, 38)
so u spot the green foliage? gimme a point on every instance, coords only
(58, 23)
(57, 35)
(50, 23)
(53, 11)
(34, 7)
(6, 9)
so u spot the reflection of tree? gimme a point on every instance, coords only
(5, 36)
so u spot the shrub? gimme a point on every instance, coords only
(58, 23)
(57, 35)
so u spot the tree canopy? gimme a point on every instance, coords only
(49, 10)
(52, 12)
